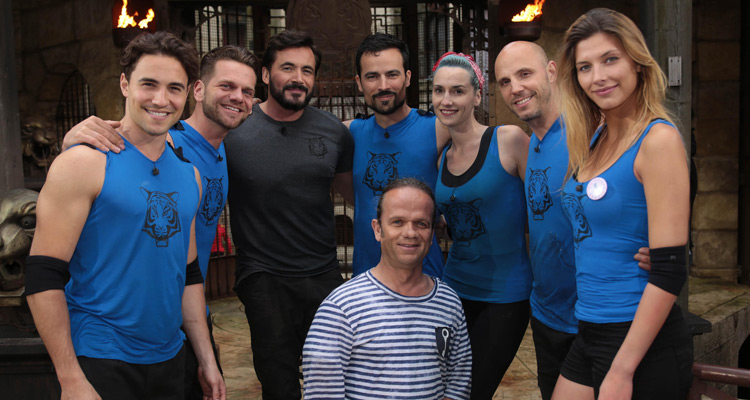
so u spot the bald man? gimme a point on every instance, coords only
(527, 83)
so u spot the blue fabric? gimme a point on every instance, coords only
(409, 151)
(487, 218)
(607, 233)
(128, 269)
(212, 165)
(553, 296)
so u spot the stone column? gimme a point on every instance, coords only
(667, 26)
(11, 171)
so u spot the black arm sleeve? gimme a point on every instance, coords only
(45, 273)
(193, 273)
(668, 269)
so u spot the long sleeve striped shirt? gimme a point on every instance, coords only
(368, 342)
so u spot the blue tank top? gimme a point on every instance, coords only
(212, 165)
(486, 214)
(553, 295)
(606, 234)
(407, 149)
(128, 268)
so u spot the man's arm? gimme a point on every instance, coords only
(458, 386)
(342, 184)
(96, 132)
(194, 323)
(73, 182)
(325, 356)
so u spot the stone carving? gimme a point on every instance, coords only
(17, 225)
(39, 144)
(337, 26)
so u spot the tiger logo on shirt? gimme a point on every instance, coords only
(317, 147)
(538, 193)
(213, 200)
(162, 219)
(464, 221)
(381, 170)
(577, 218)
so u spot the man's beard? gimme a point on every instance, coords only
(212, 113)
(293, 105)
(386, 109)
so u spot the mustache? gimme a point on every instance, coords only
(296, 86)
(384, 93)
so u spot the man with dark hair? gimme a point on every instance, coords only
(398, 141)
(282, 162)
(121, 228)
(392, 321)
(224, 99)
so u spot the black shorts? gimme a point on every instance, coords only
(119, 380)
(664, 373)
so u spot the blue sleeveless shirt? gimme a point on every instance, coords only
(212, 165)
(407, 149)
(486, 214)
(128, 268)
(553, 296)
(606, 234)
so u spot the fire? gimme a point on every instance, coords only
(531, 12)
(126, 20)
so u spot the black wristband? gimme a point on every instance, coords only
(193, 273)
(668, 268)
(45, 273)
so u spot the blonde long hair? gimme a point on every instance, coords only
(581, 115)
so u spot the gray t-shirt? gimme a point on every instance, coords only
(280, 174)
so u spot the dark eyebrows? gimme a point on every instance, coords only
(154, 81)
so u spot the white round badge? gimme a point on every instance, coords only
(596, 188)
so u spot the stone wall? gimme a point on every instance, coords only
(716, 85)
(56, 38)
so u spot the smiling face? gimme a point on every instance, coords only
(405, 227)
(227, 96)
(453, 96)
(525, 78)
(291, 78)
(606, 73)
(155, 94)
(383, 81)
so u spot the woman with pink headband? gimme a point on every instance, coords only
(481, 195)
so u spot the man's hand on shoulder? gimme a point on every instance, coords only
(96, 132)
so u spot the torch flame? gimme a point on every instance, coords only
(144, 22)
(530, 12)
(126, 20)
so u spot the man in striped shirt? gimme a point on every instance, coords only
(392, 331)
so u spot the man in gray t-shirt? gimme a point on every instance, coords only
(282, 161)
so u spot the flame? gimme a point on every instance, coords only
(144, 22)
(530, 12)
(126, 20)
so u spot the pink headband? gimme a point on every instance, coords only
(474, 66)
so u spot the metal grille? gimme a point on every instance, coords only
(74, 106)
(219, 25)
(387, 20)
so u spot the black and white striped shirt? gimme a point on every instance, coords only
(367, 341)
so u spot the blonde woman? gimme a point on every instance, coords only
(628, 188)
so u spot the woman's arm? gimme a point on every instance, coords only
(662, 168)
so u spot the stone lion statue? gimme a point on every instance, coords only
(17, 225)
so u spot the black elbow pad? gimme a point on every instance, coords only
(668, 270)
(193, 273)
(45, 273)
